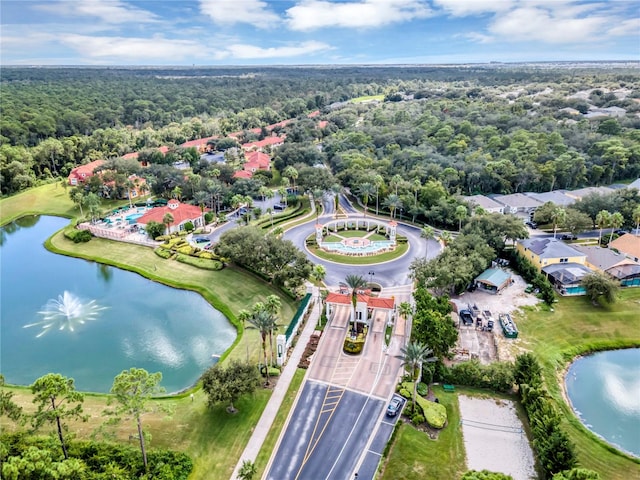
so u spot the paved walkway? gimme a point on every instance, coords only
(261, 430)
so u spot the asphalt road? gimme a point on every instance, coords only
(388, 274)
(327, 433)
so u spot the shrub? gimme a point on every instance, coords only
(422, 389)
(434, 413)
(417, 419)
(203, 263)
(496, 376)
(353, 346)
(189, 226)
(405, 393)
(208, 217)
(78, 236)
(186, 249)
(274, 372)
(163, 252)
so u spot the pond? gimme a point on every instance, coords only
(604, 390)
(90, 321)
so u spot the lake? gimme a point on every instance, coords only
(604, 389)
(90, 321)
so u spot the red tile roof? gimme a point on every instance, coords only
(132, 155)
(198, 141)
(181, 213)
(262, 160)
(268, 141)
(242, 174)
(372, 302)
(323, 123)
(83, 172)
(338, 298)
(314, 114)
(379, 302)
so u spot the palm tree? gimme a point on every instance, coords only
(366, 190)
(414, 355)
(167, 220)
(405, 309)
(616, 221)
(273, 306)
(636, 219)
(427, 233)
(378, 181)
(355, 282)
(446, 237)
(396, 181)
(78, 199)
(318, 272)
(263, 321)
(291, 173)
(558, 217)
(129, 186)
(200, 197)
(393, 202)
(602, 219)
(461, 214)
(243, 316)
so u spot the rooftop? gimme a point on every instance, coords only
(550, 248)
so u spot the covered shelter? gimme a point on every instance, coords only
(567, 277)
(493, 279)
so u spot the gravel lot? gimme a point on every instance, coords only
(509, 300)
(494, 439)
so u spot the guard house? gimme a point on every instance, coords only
(493, 280)
(365, 306)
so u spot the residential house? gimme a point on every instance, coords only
(627, 244)
(181, 213)
(518, 203)
(261, 145)
(562, 264)
(82, 173)
(583, 192)
(614, 264)
(199, 144)
(549, 251)
(242, 174)
(254, 161)
(557, 197)
(487, 204)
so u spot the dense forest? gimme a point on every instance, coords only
(413, 136)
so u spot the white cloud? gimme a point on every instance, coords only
(229, 12)
(109, 11)
(314, 14)
(625, 27)
(546, 26)
(462, 8)
(479, 37)
(127, 49)
(244, 51)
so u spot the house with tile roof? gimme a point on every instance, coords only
(518, 203)
(486, 203)
(583, 192)
(557, 197)
(614, 264)
(261, 145)
(82, 173)
(181, 213)
(627, 244)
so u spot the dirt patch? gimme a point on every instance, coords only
(494, 438)
(486, 346)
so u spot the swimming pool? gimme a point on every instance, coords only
(134, 216)
(351, 249)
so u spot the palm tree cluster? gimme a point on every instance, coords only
(264, 318)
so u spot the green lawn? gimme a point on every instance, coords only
(415, 456)
(400, 250)
(577, 327)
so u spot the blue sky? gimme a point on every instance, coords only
(302, 32)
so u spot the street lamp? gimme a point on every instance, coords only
(371, 274)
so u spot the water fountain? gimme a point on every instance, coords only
(66, 312)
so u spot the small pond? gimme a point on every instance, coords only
(604, 390)
(90, 321)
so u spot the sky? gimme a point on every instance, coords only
(313, 32)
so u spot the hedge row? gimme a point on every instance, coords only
(77, 236)
(204, 263)
(495, 376)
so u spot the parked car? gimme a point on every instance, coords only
(569, 236)
(279, 206)
(394, 406)
(533, 225)
(620, 231)
(466, 316)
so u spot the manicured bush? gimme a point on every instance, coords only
(78, 236)
(423, 389)
(405, 393)
(186, 249)
(353, 346)
(417, 419)
(434, 413)
(496, 376)
(163, 252)
(203, 263)
(208, 217)
(189, 226)
(274, 372)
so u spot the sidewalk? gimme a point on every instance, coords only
(261, 430)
